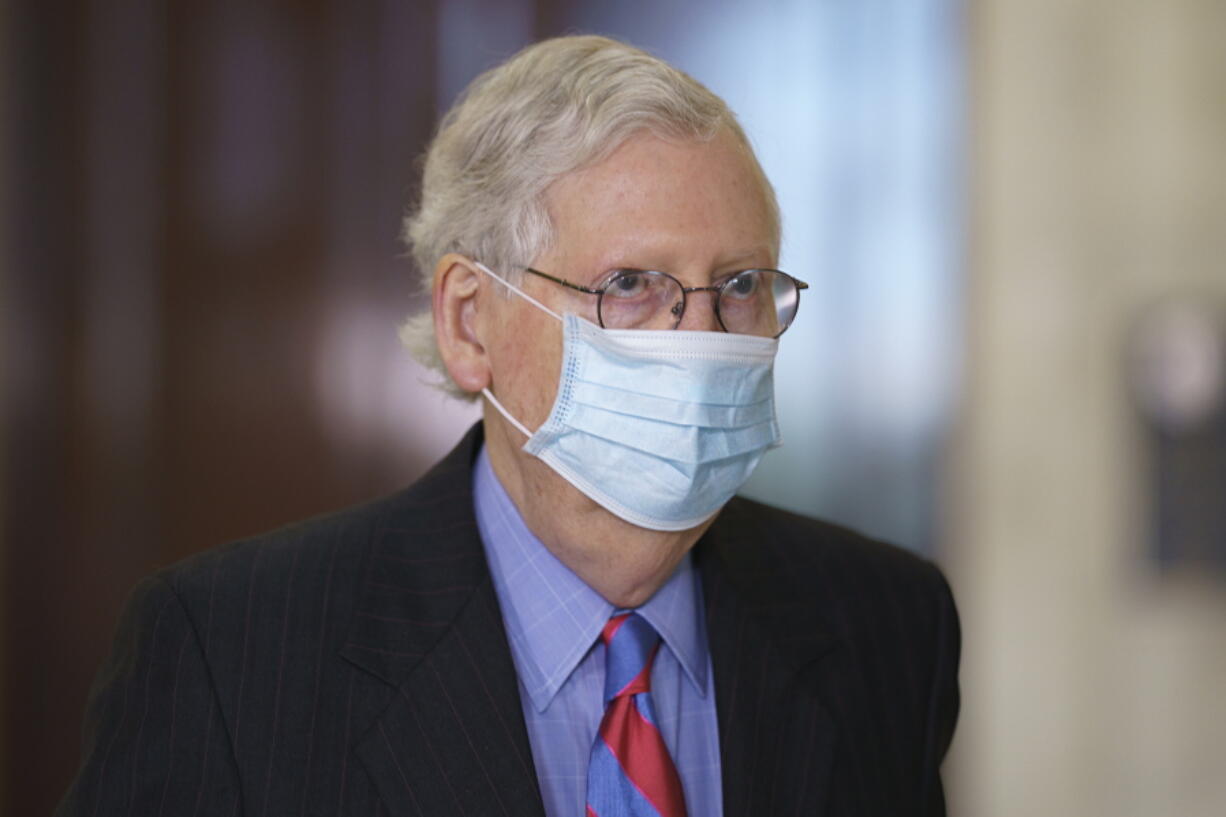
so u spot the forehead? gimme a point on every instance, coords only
(657, 202)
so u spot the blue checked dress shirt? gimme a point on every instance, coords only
(553, 621)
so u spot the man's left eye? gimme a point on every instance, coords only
(743, 284)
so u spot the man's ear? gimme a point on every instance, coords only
(456, 322)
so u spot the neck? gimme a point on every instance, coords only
(624, 563)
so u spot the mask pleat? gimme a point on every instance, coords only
(680, 443)
(669, 410)
(653, 504)
(655, 488)
(659, 427)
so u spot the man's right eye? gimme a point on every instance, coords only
(627, 284)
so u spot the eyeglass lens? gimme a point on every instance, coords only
(753, 302)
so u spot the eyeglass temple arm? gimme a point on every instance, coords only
(799, 283)
(562, 281)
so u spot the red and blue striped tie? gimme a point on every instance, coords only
(630, 773)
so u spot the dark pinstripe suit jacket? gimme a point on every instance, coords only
(357, 665)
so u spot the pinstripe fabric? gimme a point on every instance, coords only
(357, 665)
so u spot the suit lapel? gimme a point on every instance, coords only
(776, 735)
(452, 740)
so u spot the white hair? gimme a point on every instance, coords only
(555, 107)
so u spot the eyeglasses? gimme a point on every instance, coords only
(760, 302)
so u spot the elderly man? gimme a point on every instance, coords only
(571, 613)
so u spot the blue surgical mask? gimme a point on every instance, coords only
(659, 427)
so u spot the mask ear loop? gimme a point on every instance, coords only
(518, 291)
(488, 394)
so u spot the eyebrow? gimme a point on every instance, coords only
(743, 257)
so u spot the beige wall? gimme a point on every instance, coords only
(1092, 686)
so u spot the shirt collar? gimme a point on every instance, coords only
(552, 617)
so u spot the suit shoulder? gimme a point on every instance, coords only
(819, 545)
(325, 548)
(308, 570)
(868, 592)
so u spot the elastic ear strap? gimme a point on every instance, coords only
(516, 290)
(489, 395)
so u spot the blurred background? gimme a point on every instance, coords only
(1012, 357)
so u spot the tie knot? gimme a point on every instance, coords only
(631, 644)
